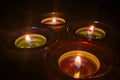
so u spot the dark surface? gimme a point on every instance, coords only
(16, 15)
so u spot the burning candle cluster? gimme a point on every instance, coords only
(74, 59)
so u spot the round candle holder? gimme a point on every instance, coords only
(96, 34)
(93, 60)
(79, 63)
(29, 62)
(39, 39)
(56, 23)
(30, 41)
(54, 20)
(95, 30)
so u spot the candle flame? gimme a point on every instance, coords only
(54, 20)
(27, 38)
(90, 30)
(77, 75)
(78, 61)
(77, 64)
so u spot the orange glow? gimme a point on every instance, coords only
(90, 30)
(77, 75)
(54, 20)
(78, 61)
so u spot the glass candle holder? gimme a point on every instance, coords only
(30, 41)
(95, 30)
(54, 20)
(78, 64)
(75, 59)
(91, 32)
(35, 37)
(26, 57)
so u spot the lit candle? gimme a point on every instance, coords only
(91, 32)
(78, 64)
(78, 61)
(53, 21)
(30, 41)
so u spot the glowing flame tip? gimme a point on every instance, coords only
(54, 20)
(78, 61)
(90, 30)
(28, 38)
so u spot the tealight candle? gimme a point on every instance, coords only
(53, 21)
(91, 32)
(78, 64)
(78, 60)
(30, 41)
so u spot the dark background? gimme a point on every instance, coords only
(15, 15)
